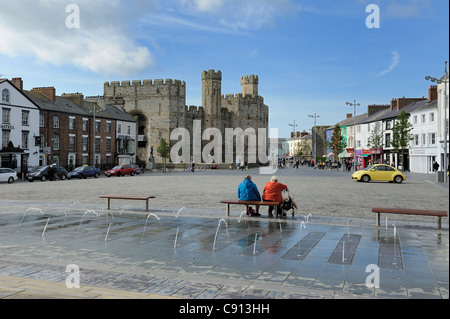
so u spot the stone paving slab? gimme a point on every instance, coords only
(252, 258)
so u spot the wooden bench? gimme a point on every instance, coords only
(423, 212)
(126, 197)
(248, 203)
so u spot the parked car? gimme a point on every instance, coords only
(138, 169)
(121, 170)
(8, 175)
(379, 172)
(84, 172)
(42, 173)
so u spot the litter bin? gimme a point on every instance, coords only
(440, 176)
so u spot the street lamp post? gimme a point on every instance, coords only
(315, 116)
(439, 81)
(354, 104)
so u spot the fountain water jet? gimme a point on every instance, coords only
(254, 245)
(178, 213)
(148, 216)
(217, 231)
(240, 216)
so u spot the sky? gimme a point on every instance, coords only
(311, 57)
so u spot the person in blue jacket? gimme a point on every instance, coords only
(248, 191)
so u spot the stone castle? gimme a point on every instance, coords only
(160, 107)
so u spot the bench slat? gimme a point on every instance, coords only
(407, 211)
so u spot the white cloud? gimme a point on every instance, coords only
(395, 61)
(101, 44)
(238, 14)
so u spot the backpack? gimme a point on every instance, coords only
(251, 211)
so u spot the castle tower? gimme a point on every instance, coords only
(211, 97)
(249, 85)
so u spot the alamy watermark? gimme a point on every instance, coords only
(233, 145)
(373, 279)
(73, 19)
(73, 279)
(373, 20)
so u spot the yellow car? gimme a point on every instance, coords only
(379, 172)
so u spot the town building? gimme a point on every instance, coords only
(19, 148)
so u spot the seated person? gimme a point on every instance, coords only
(273, 193)
(248, 191)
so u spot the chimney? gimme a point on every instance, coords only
(401, 102)
(372, 109)
(18, 83)
(77, 98)
(49, 92)
(432, 93)
(349, 115)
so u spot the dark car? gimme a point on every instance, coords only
(42, 173)
(121, 170)
(84, 172)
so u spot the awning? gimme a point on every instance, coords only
(364, 155)
(345, 154)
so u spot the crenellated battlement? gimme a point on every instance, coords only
(238, 97)
(212, 74)
(249, 79)
(148, 83)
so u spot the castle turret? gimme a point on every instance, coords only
(211, 97)
(249, 85)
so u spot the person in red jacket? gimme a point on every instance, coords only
(273, 192)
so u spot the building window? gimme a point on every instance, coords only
(108, 145)
(432, 138)
(108, 127)
(25, 135)
(25, 117)
(97, 126)
(416, 140)
(97, 144)
(84, 160)
(41, 120)
(424, 140)
(388, 125)
(71, 123)
(85, 125)
(415, 119)
(423, 118)
(55, 142)
(6, 137)
(6, 116)
(432, 117)
(5, 96)
(85, 143)
(119, 128)
(388, 140)
(55, 121)
(71, 143)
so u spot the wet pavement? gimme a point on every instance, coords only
(170, 253)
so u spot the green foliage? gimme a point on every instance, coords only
(337, 141)
(163, 149)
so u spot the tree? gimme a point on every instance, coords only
(401, 135)
(375, 139)
(163, 151)
(337, 143)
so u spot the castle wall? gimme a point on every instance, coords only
(163, 103)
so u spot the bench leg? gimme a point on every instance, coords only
(109, 206)
(439, 223)
(146, 205)
(378, 219)
(228, 210)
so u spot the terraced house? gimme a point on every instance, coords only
(73, 131)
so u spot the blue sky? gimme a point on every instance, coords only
(311, 56)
